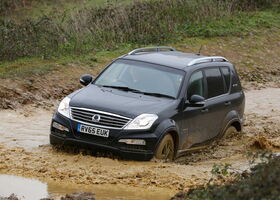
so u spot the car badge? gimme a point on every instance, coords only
(96, 118)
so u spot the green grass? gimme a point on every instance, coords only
(261, 184)
(38, 66)
(26, 67)
(241, 24)
(39, 8)
(85, 30)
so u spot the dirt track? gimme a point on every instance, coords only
(24, 151)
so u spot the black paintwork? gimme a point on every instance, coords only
(190, 125)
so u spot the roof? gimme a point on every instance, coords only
(174, 59)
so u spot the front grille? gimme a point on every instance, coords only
(106, 120)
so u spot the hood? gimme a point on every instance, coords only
(119, 102)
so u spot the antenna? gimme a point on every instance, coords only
(200, 50)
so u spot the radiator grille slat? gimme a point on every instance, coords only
(107, 120)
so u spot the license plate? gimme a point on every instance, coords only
(93, 130)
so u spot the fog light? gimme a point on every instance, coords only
(60, 127)
(133, 141)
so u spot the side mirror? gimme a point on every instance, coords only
(86, 79)
(196, 101)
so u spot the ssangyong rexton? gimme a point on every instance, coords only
(153, 101)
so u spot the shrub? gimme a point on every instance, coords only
(262, 183)
(141, 22)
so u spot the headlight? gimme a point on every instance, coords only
(143, 121)
(64, 108)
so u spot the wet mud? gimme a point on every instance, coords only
(25, 151)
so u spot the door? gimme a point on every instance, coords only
(218, 100)
(204, 123)
(194, 125)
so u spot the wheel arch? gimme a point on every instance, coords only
(237, 125)
(172, 130)
(231, 119)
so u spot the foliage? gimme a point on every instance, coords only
(261, 184)
(140, 22)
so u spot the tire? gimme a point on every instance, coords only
(166, 149)
(229, 132)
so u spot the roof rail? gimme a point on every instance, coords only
(151, 49)
(207, 59)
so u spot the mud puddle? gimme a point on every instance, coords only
(24, 151)
(33, 189)
(25, 128)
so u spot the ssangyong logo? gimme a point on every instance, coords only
(96, 118)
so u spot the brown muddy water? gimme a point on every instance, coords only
(25, 152)
(33, 189)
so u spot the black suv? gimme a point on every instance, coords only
(152, 101)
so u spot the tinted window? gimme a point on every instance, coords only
(149, 78)
(226, 73)
(236, 86)
(196, 84)
(215, 82)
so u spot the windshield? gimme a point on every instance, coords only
(142, 77)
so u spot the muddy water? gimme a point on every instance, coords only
(25, 128)
(263, 102)
(33, 189)
(24, 151)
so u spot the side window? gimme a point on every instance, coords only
(196, 85)
(226, 74)
(236, 85)
(215, 83)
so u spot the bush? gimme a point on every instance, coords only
(141, 22)
(263, 183)
(7, 6)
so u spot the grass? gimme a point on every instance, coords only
(38, 66)
(91, 35)
(256, 52)
(262, 183)
(26, 67)
(35, 9)
(138, 23)
(239, 25)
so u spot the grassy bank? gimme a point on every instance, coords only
(255, 56)
(262, 183)
(139, 23)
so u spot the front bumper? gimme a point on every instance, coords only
(134, 152)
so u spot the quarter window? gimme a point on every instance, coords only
(215, 83)
(196, 85)
(226, 73)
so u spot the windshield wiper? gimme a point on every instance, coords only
(123, 88)
(138, 91)
(158, 95)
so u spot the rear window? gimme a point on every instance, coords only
(215, 83)
(226, 73)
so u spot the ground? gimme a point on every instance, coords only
(31, 90)
(25, 152)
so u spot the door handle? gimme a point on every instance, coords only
(227, 103)
(204, 110)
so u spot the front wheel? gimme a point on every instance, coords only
(166, 150)
(229, 132)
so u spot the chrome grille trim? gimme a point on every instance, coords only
(108, 120)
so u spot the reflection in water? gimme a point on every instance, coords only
(31, 189)
(23, 188)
